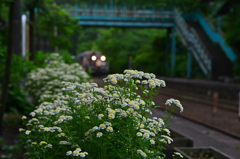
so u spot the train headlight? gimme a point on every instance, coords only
(94, 58)
(103, 58)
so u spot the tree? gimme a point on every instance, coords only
(13, 47)
(59, 18)
(33, 6)
(46, 17)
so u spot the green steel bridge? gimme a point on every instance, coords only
(208, 47)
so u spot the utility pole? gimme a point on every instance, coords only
(24, 35)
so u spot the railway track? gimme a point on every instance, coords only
(204, 99)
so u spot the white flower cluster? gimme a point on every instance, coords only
(174, 102)
(88, 115)
(44, 83)
(77, 152)
(144, 155)
(150, 79)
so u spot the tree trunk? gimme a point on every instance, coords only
(13, 30)
(31, 33)
(3, 23)
(17, 29)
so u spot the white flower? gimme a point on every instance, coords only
(152, 141)
(64, 143)
(78, 149)
(68, 153)
(42, 142)
(144, 82)
(32, 114)
(146, 135)
(100, 116)
(27, 132)
(46, 129)
(49, 146)
(137, 107)
(175, 102)
(113, 81)
(102, 126)
(167, 131)
(131, 103)
(109, 129)
(111, 116)
(151, 83)
(167, 138)
(141, 126)
(139, 134)
(83, 154)
(99, 134)
(21, 129)
(110, 111)
(94, 129)
(76, 153)
(130, 110)
(142, 153)
(123, 113)
(178, 154)
(107, 123)
(87, 117)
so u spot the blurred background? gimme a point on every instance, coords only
(55, 26)
(171, 38)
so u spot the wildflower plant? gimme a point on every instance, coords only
(93, 122)
(44, 84)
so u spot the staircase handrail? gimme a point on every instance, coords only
(215, 37)
(191, 38)
(201, 43)
(207, 21)
(205, 52)
(219, 30)
(120, 12)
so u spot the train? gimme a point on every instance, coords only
(94, 62)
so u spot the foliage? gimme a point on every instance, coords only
(148, 47)
(17, 99)
(118, 44)
(67, 58)
(156, 51)
(20, 68)
(230, 25)
(41, 58)
(109, 122)
(49, 21)
(66, 26)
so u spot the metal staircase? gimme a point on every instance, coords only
(195, 45)
(221, 65)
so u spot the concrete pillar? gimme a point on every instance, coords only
(168, 44)
(173, 51)
(189, 64)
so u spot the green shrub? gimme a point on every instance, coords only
(47, 80)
